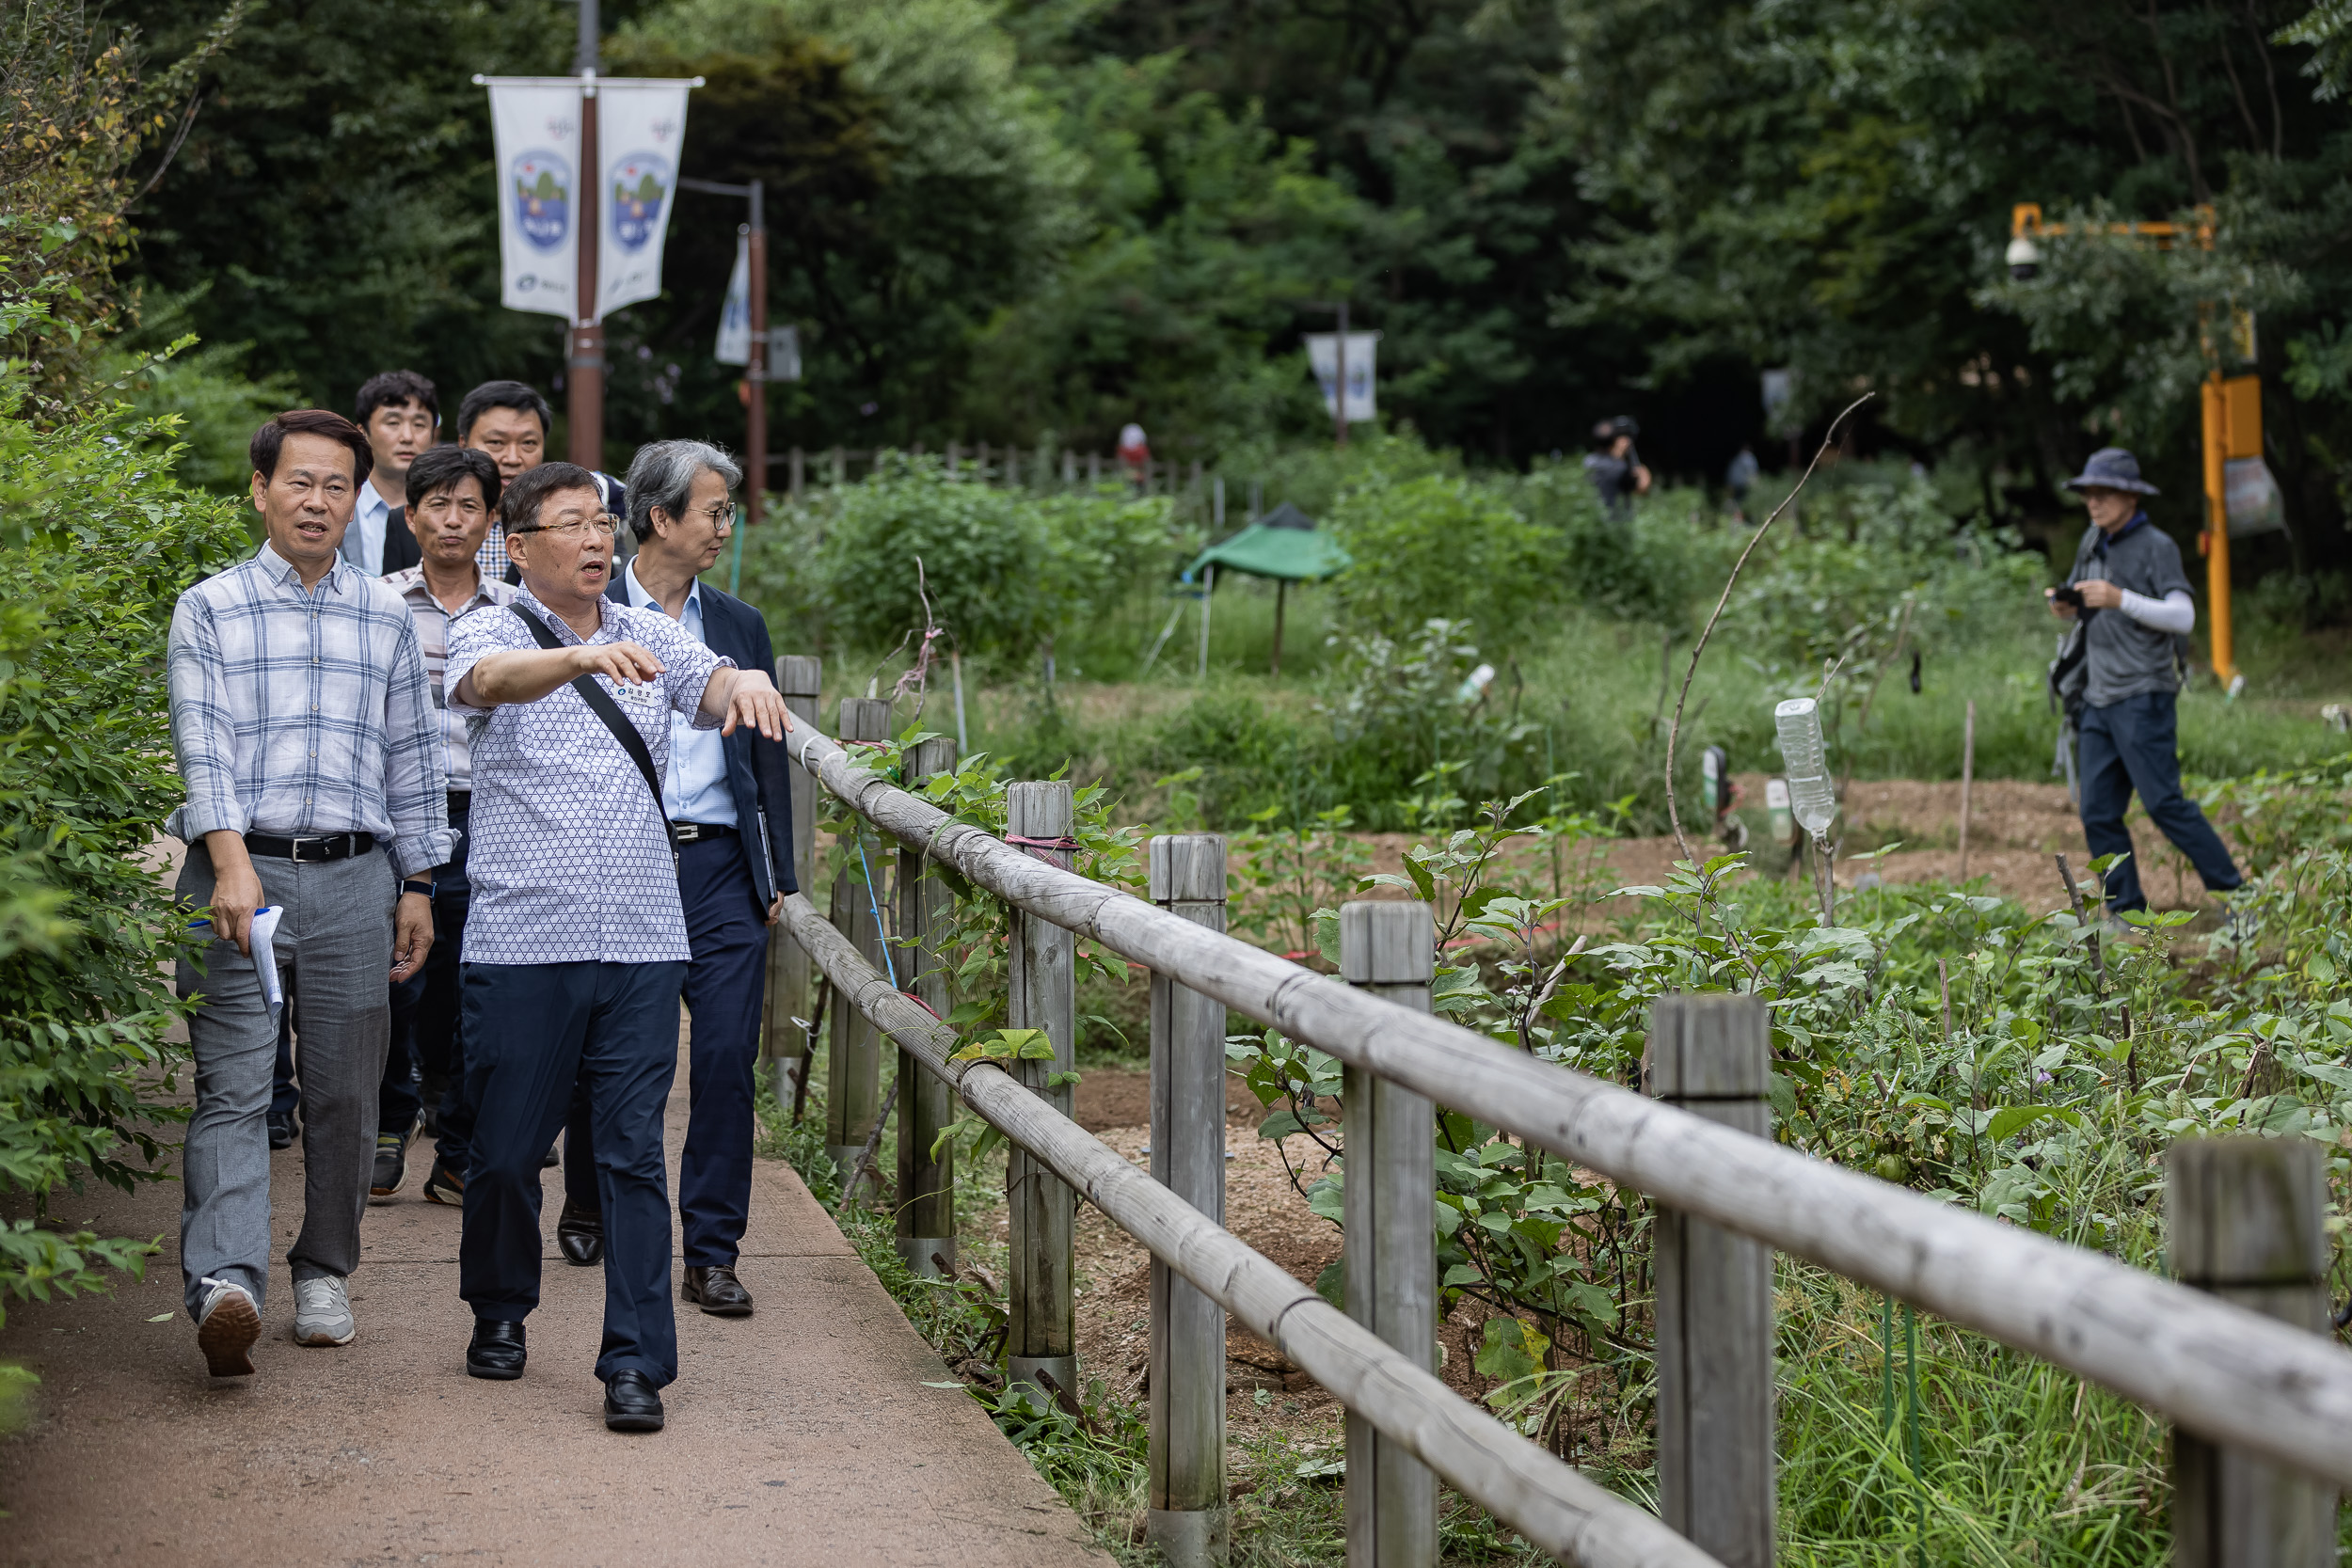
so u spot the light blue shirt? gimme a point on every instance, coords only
(695, 787)
(363, 541)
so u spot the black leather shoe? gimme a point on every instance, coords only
(717, 1291)
(633, 1403)
(281, 1129)
(496, 1350)
(579, 1236)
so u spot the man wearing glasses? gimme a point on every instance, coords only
(576, 945)
(303, 725)
(729, 801)
(452, 494)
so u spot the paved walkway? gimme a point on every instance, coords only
(801, 1435)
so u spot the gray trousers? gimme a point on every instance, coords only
(334, 951)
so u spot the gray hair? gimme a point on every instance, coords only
(662, 474)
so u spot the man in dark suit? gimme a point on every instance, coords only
(730, 806)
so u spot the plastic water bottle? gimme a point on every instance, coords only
(1811, 796)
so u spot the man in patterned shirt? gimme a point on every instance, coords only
(576, 946)
(453, 492)
(306, 740)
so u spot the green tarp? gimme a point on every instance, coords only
(1284, 545)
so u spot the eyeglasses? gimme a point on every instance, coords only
(720, 518)
(604, 523)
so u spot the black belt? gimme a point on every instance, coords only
(338, 847)
(460, 802)
(694, 832)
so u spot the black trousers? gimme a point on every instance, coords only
(534, 1032)
(725, 987)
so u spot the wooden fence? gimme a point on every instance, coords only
(2235, 1355)
(795, 469)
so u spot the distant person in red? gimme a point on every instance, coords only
(1135, 453)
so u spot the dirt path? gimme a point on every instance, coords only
(803, 1434)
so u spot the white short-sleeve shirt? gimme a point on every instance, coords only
(567, 853)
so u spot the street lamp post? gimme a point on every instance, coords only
(583, 362)
(755, 366)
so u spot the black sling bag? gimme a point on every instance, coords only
(600, 702)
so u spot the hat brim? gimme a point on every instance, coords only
(2095, 482)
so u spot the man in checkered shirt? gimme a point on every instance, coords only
(576, 945)
(305, 732)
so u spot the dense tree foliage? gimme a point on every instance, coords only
(1037, 219)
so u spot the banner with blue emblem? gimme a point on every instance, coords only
(640, 124)
(535, 126)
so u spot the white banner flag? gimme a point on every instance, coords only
(735, 316)
(640, 126)
(535, 124)
(1323, 353)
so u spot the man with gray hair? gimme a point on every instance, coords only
(730, 807)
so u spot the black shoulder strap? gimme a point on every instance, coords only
(600, 702)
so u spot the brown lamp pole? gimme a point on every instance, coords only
(755, 366)
(583, 362)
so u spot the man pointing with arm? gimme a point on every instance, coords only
(576, 945)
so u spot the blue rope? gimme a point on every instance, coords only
(876, 908)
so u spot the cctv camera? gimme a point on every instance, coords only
(2025, 259)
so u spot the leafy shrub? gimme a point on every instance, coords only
(1006, 571)
(1655, 566)
(100, 539)
(1439, 545)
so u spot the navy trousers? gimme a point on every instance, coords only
(425, 1049)
(533, 1032)
(2134, 745)
(725, 987)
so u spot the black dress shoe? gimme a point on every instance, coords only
(496, 1350)
(579, 1235)
(717, 1291)
(281, 1129)
(633, 1403)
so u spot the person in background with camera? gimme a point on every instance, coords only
(729, 801)
(1615, 469)
(305, 733)
(2123, 666)
(576, 946)
(453, 492)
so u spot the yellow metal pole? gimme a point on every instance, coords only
(2218, 528)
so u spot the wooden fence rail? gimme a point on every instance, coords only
(1538, 1494)
(2222, 1372)
(1014, 468)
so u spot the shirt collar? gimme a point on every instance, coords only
(562, 627)
(2107, 540)
(370, 499)
(411, 583)
(279, 570)
(640, 599)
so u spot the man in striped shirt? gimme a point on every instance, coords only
(452, 495)
(307, 739)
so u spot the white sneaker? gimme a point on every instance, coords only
(227, 1324)
(323, 1312)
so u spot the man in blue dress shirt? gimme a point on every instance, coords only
(730, 804)
(575, 947)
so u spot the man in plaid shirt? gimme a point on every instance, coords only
(307, 742)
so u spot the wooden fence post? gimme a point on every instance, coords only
(854, 1070)
(1712, 1055)
(1188, 1520)
(927, 1105)
(1069, 468)
(784, 1032)
(2246, 1222)
(840, 467)
(798, 472)
(1043, 1340)
(1094, 468)
(1389, 1134)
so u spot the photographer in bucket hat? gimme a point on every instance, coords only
(2133, 611)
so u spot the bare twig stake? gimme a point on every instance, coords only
(1673, 732)
(1967, 775)
(2082, 918)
